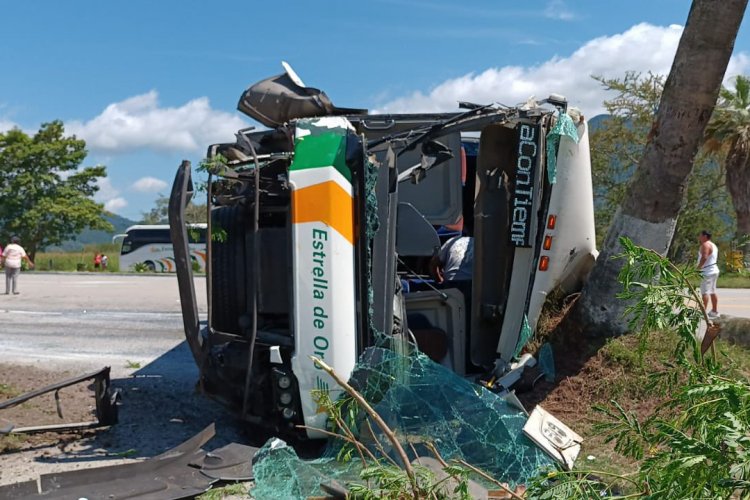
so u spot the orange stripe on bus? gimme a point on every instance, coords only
(325, 202)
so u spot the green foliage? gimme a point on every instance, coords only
(7, 391)
(661, 296)
(617, 144)
(11, 442)
(616, 149)
(159, 214)
(238, 489)
(217, 165)
(734, 280)
(45, 195)
(391, 482)
(728, 134)
(697, 443)
(142, 267)
(575, 485)
(381, 476)
(78, 261)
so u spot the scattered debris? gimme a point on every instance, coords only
(555, 438)
(182, 472)
(106, 404)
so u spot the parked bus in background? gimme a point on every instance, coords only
(149, 247)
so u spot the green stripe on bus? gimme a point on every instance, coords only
(322, 148)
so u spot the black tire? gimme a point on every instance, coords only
(228, 269)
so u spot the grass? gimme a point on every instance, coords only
(617, 373)
(733, 280)
(11, 442)
(8, 391)
(236, 489)
(78, 261)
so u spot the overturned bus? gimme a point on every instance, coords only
(323, 226)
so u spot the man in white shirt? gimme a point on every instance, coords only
(13, 254)
(707, 257)
(455, 260)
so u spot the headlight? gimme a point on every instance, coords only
(285, 398)
(285, 382)
(288, 413)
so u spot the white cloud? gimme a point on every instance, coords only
(642, 48)
(6, 125)
(106, 190)
(556, 9)
(149, 185)
(139, 122)
(109, 195)
(115, 204)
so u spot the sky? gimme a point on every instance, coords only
(150, 83)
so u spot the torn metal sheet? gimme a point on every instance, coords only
(105, 396)
(229, 463)
(182, 472)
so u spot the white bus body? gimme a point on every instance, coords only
(151, 246)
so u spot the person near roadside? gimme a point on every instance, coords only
(105, 262)
(97, 261)
(13, 254)
(708, 255)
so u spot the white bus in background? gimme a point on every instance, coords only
(151, 246)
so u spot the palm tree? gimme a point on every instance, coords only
(656, 194)
(728, 132)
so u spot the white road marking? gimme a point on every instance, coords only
(108, 314)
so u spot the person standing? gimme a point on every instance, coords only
(105, 262)
(13, 254)
(708, 255)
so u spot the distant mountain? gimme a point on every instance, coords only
(90, 236)
(597, 121)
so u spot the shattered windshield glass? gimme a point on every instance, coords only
(423, 403)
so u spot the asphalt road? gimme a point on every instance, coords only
(86, 321)
(75, 323)
(734, 302)
(90, 320)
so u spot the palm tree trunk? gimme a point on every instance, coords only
(738, 185)
(648, 215)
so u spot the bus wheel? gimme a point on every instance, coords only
(228, 269)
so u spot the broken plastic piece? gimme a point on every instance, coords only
(276, 100)
(276, 355)
(554, 437)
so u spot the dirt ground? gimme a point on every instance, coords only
(155, 415)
